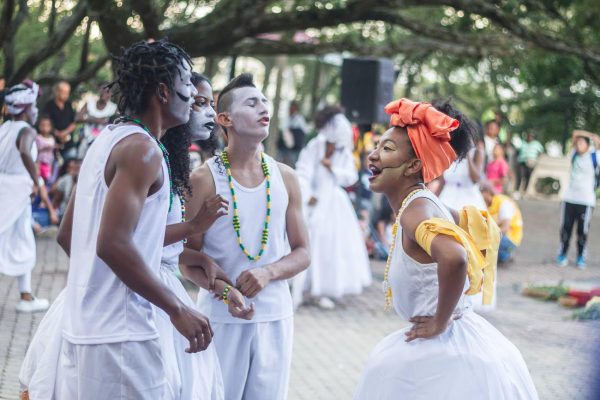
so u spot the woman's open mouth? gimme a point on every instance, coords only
(210, 126)
(375, 172)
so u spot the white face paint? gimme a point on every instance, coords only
(250, 114)
(202, 118)
(182, 98)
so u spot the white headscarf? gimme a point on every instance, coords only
(18, 97)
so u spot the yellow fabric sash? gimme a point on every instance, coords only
(478, 233)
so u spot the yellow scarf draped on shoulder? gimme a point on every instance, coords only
(478, 233)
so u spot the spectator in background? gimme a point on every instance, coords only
(62, 189)
(46, 144)
(60, 111)
(580, 198)
(490, 138)
(95, 114)
(529, 152)
(298, 128)
(507, 215)
(497, 170)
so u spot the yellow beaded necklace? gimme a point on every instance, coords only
(387, 288)
(236, 215)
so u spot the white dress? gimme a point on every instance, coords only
(17, 243)
(459, 190)
(339, 260)
(471, 360)
(190, 376)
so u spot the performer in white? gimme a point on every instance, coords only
(251, 245)
(339, 260)
(189, 377)
(18, 181)
(449, 352)
(95, 115)
(114, 230)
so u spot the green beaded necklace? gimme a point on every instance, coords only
(236, 216)
(165, 156)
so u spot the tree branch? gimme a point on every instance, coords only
(150, 18)
(54, 43)
(82, 76)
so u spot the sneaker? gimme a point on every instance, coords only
(581, 264)
(31, 306)
(326, 303)
(562, 261)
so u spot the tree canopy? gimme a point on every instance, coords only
(536, 60)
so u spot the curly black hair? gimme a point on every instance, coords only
(325, 115)
(141, 69)
(177, 141)
(463, 137)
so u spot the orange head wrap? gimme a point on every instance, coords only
(429, 132)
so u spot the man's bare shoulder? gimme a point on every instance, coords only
(137, 149)
(287, 172)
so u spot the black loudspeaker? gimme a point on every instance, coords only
(367, 87)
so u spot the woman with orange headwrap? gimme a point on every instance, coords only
(437, 258)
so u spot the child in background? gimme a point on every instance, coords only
(497, 170)
(45, 144)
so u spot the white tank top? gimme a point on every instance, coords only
(10, 157)
(274, 302)
(415, 285)
(171, 253)
(100, 307)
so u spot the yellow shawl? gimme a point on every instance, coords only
(478, 233)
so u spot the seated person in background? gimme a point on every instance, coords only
(61, 191)
(507, 215)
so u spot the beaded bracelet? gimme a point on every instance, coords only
(225, 294)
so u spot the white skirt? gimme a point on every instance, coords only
(339, 260)
(470, 361)
(192, 376)
(189, 376)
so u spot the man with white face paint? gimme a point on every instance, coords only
(18, 175)
(251, 245)
(114, 230)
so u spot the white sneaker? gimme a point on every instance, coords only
(31, 306)
(326, 303)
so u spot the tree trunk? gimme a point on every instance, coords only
(271, 142)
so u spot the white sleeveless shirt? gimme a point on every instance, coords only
(274, 302)
(100, 308)
(415, 285)
(10, 157)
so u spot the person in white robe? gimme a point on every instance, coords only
(18, 181)
(339, 259)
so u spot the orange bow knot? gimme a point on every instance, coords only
(429, 133)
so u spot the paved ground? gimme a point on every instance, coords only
(331, 346)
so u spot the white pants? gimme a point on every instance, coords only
(24, 282)
(126, 370)
(255, 358)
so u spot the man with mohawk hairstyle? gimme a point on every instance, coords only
(251, 245)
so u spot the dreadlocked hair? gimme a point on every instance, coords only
(177, 141)
(463, 137)
(141, 69)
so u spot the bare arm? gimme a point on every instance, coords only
(252, 281)
(476, 164)
(66, 226)
(25, 140)
(592, 136)
(133, 170)
(451, 259)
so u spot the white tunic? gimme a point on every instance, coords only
(470, 360)
(100, 307)
(459, 189)
(274, 302)
(339, 260)
(17, 243)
